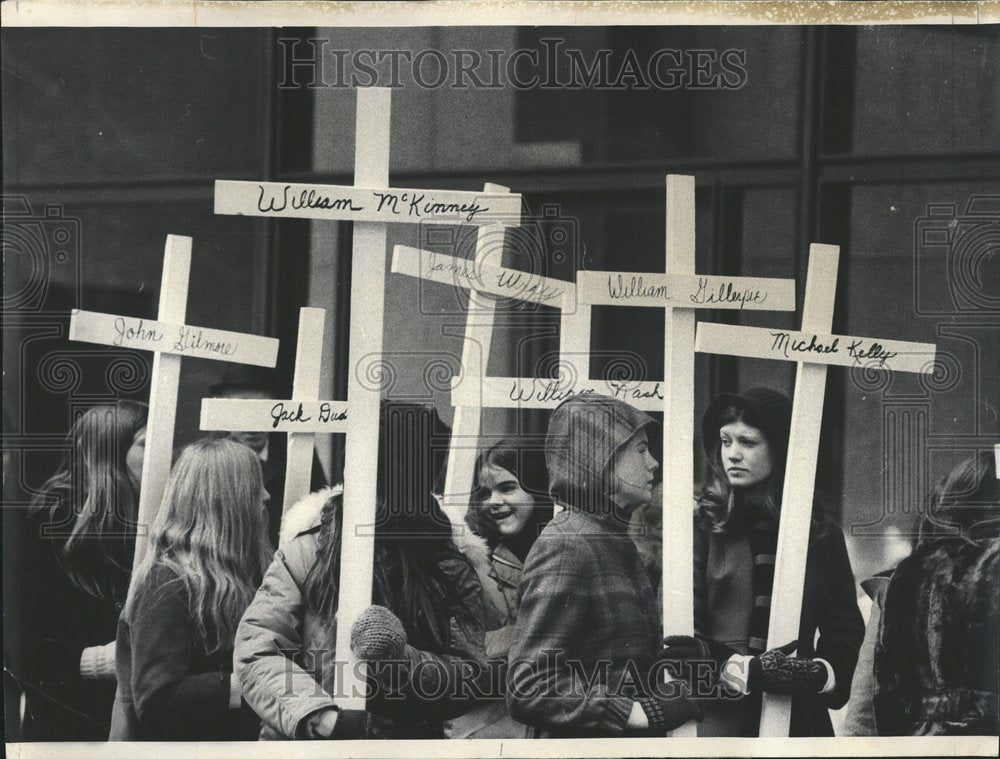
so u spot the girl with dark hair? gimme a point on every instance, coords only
(936, 659)
(736, 536)
(423, 638)
(510, 505)
(208, 548)
(81, 530)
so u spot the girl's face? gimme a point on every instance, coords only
(633, 469)
(745, 454)
(133, 458)
(505, 501)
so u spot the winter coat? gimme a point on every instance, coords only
(585, 595)
(56, 621)
(500, 573)
(287, 667)
(724, 601)
(936, 660)
(173, 688)
(587, 630)
(860, 717)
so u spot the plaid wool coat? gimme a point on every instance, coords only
(587, 630)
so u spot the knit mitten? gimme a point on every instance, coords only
(776, 672)
(665, 714)
(378, 635)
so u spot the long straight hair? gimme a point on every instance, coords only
(413, 542)
(210, 531)
(103, 499)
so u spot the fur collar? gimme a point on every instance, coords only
(305, 513)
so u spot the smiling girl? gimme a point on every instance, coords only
(510, 505)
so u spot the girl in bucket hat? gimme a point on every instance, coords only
(585, 656)
(736, 534)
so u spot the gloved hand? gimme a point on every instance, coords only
(350, 725)
(378, 635)
(666, 713)
(334, 724)
(681, 652)
(776, 672)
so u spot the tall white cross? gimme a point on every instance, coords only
(485, 282)
(679, 291)
(370, 204)
(169, 338)
(813, 348)
(302, 416)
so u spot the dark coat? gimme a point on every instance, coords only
(274, 481)
(724, 602)
(175, 690)
(56, 620)
(936, 660)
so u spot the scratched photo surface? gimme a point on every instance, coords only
(478, 220)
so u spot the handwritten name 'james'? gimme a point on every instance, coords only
(521, 285)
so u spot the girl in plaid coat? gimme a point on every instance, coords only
(585, 655)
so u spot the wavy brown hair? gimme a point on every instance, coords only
(719, 504)
(528, 466)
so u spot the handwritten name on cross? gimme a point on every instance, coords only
(813, 349)
(170, 339)
(481, 278)
(302, 416)
(370, 204)
(679, 291)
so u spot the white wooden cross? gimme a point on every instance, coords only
(813, 348)
(679, 291)
(302, 416)
(370, 204)
(480, 277)
(169, 338)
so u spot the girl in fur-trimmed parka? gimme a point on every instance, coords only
(422, 638)
(936, 659)
(736, 534)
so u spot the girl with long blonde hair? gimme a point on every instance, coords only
(207, 552)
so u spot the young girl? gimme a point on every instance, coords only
(585, 655)
(746, 438)
(510, 505)
(208, 550)
(936, 659)
(75, 574)
(423, 638)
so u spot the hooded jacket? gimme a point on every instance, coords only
(585, 432)
(588, 630)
